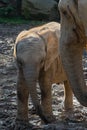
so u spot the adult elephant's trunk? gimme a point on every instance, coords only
(31, 76)
(72, 42)
(72, 61)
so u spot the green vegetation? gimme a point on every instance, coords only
(8, 9)
(13, 20)
(18, 20)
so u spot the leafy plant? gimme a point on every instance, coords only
(8, 9)
(19, 20)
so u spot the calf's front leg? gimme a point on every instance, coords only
(22, 103)
(46, 96)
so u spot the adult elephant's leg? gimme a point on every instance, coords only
(46, 96)
(22, 97)
(68, 103)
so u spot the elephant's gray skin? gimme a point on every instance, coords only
(37, 56)
(73, 40)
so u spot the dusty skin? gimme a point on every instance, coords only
(8, 73)
(72, 43)
(37, 55)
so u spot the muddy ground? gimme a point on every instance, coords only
(8, 75)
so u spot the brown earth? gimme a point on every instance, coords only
(8, 75)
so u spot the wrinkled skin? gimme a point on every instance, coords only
(73, 40)
(37, 56)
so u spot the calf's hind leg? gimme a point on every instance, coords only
(68, 103)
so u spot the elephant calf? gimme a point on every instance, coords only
(37, 56)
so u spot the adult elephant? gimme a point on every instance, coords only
(72, 42)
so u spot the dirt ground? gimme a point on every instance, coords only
(8, 75)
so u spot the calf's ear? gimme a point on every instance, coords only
(52, 50)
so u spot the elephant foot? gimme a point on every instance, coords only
(51, 119)
(22, 125)
(68, 115)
